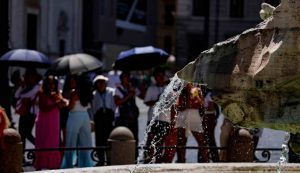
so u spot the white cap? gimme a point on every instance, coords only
(100, 77)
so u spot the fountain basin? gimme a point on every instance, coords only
(188, 168)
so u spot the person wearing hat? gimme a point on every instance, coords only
(102, 112)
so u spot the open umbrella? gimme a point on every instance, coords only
(25, 58)
(140, 58)
(74, 64)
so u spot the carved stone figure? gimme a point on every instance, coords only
(256, 75)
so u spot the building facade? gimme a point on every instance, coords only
(166, 28)
(112, 26)
(50, 26)
(202, 23)
(104, 28)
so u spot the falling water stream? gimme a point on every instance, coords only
(161, 108)
(284, 153)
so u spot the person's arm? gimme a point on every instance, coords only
(119, 100)
(44, 104)
(32, 93)
(181, 102)
(18, 92)
(62, 102)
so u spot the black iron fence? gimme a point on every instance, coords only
(29, 154)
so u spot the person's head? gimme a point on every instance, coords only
(159, 75)
(100, 83)
(50, 84)
(16, 78)
(31, 77)
(125, 77)
(186, 89)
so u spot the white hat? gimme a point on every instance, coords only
(100, 77)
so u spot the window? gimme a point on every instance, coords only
(168, 44)
(62, 45)
(199, 7)
(132, 14)
(31, 31)
(196, 44)
(237, 8)
(169, 18)
(87, 23)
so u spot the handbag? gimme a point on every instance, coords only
(24, 106)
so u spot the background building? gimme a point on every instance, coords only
(202, 23)
(4, 31)
(104, 28)
(110, 27)
(50, 26)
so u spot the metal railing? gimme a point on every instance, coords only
(29, 154)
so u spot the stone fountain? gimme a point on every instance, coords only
(256, 79)
(256, 75)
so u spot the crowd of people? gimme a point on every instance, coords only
(65, 116)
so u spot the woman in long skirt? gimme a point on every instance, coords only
(47, 125)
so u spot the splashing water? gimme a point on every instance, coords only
(284, 153)
(161, 108)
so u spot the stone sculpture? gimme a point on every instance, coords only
(256, 75)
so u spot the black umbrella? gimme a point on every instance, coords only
(25, 58)
(74, 64)
(140, 58)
